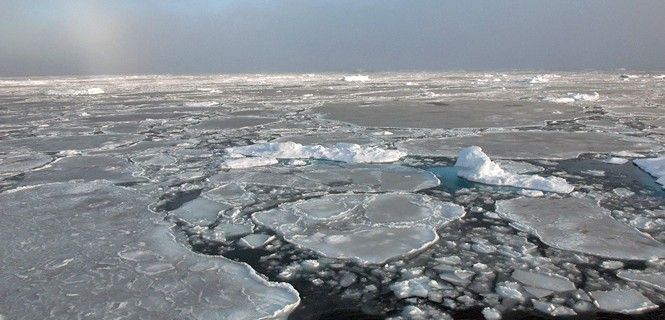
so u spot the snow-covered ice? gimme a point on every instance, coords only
(346, 152)
(355, 78)
(476, 166)
(249, 162)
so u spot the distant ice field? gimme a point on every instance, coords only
(306, 196)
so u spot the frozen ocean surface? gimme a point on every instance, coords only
(462, 195)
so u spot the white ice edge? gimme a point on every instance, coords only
(475, 165)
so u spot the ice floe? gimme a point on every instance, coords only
(250, 162)
(343, 177)
(94, 248)
(76, 92)
(649, 279)
(543, 280)
(355, 78)
(448, 114)
(368, 228)
(574, 97)
(579, 225)
(629, 301)
(616, 160)
(528, 145)
(654, 167)
(346, 152)
(476, 166)
(543, 78)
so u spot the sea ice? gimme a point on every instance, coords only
(547, 281)
(628, 301)
(75, 92)
(87, 168)
(417, 287)
(448, 114)
(615, 160)
(249, 162)
(580, 225)
(94, 249)
(230, 123)
(552, 309)
(72, 142)
(654, 167)
(355, 78)
(476, 166)
(346, 152)
(368, 228)
(528, 145)
(199, 211)
(543, 78)
(343, 177)
(573, 97)
(654, 280)
(15, 162)
(256, 240)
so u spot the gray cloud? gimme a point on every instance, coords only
(103, 37)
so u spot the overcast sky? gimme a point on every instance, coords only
(42, 37)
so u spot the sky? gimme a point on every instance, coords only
(66, 37)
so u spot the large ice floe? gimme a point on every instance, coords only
(528, 145)
(654, 167)
(346, 152)
(343, 177)
(476, 166)
(574, 97)
(84, 249)
(579, 225)
(448, 114)
(368, 228)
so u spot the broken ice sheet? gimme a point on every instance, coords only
(448, 114)
(18, 162)
(367, 228)
(200, 211)
(579, 225)
(86, 168)
(650, 279)
(345, 177)
(528, 145)
(94, 248)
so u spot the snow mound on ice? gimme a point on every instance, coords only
(543, 78)
(73, 92)
(574, 97)
(654, 167)
(474, 165)
(356, 78)
(345, 152)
